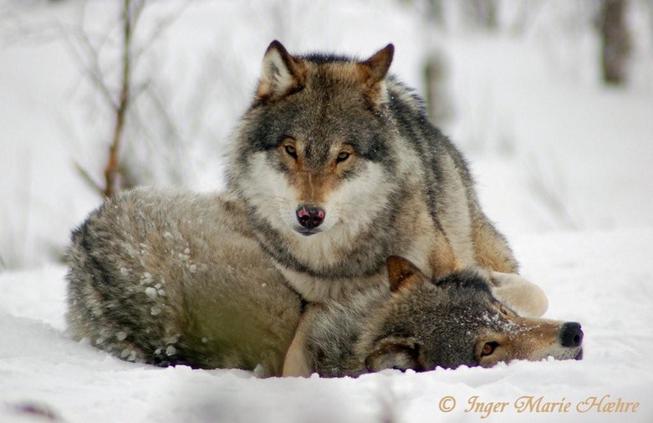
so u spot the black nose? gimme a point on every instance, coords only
(309, 216)
(571, 335)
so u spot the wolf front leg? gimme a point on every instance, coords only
(491, 249)
(492, 252)
(524, 297)
(296, 362)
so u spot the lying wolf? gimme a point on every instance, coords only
(339, 168)
(422, 323)
(172, 278)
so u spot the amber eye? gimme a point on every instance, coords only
(342, 157)
(290, 150)
(489, 348)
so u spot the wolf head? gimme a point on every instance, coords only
(455, 321)
(312, 157)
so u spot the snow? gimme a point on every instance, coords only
(562, 164)
(601, 279)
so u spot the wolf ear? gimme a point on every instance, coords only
(395, 353)
(373, 71)
(402, 273)
(377, 65)
(281, 73)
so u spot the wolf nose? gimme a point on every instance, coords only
(309, 216)
(571, 335)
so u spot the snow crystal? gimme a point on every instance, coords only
(146, 279)
(171, 350)
(155, 310)
(259, 370)
(120, 336)
(151, 292)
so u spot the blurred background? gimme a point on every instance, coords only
(551, 100)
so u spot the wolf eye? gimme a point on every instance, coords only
(489, 348)
(291, 151)
(342, 157)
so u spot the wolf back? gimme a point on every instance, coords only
(176, 278)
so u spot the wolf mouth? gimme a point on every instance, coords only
(579, 355)
(307, 232)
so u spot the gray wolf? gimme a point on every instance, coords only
(176, 278)
(339, 168)
(422, 323)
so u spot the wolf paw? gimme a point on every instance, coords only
(524, 297)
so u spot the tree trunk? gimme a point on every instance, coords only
(615, 41)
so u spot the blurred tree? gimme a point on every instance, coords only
(615, 41)
(482, 13)
(438, 107)
(435, 11)
(119, 100)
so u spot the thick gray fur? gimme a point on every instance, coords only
(414, 196)
(169, 278)
(435, 323)
(177, 278)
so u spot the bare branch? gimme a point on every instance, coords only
(160, 28)
(88, 179)
(136, 11)
(91, 66)
(111, 171)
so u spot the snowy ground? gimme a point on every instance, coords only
(563, 166)
(603, 280)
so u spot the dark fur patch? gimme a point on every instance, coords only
(324, 58)
(106, 283)
(464, 279)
